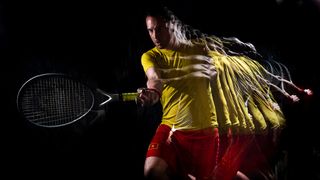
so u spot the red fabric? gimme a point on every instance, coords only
(187, 152)
(247, 153)
(160, 147)
(232, 155)
(207, 155)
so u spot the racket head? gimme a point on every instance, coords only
(54, 100)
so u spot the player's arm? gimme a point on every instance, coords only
(152, 94)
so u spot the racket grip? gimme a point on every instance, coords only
(129, 96)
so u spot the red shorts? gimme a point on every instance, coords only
(247, 153)
(187, 152)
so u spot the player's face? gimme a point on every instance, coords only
(158, 31)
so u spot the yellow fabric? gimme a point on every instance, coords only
(240, 97)
(243, 98)
(186, 103)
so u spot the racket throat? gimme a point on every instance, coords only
(110, 97)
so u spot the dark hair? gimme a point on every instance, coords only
(158, 11)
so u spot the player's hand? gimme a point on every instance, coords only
(147, 96)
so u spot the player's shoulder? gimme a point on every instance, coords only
(151, 53)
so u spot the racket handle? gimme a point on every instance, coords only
(129, 96)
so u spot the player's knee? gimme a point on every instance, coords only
(154, 172)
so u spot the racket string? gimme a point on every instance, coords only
(55, 101)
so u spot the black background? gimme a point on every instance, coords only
(102, 42)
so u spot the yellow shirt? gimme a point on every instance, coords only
(187, 103)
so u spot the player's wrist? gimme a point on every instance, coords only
(155, 91)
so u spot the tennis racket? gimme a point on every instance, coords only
(54, 99)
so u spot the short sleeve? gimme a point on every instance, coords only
(147, 61)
